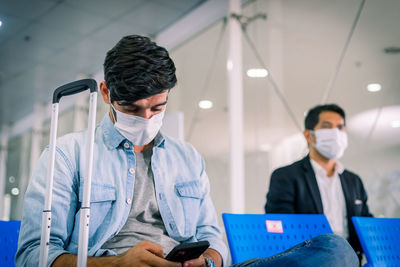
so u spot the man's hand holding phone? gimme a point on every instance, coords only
(145, 254)
(150, 254)
(190, 254)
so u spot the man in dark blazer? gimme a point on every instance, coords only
(319, 183)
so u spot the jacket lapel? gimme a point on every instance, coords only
(347, 196)
(311, 182)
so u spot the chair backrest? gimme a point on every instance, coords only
(380, 239)
(9, 231)
(263, 235)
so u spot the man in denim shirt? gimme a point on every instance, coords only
(149, 191)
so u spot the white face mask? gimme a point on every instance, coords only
(330, 143)
(138, 130)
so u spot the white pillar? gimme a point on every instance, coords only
(235, 104)
(7, 207)
(3, 170)
(274, 50)
(24, 158)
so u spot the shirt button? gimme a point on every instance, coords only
(131, 170)
(129, 201)
(126, 145)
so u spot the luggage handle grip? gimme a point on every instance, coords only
(74, 88)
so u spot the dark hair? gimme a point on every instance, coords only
(312, 117)
(137, 68)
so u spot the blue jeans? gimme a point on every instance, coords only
(323, 250)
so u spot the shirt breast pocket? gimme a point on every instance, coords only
(190, 196)
(102, 198)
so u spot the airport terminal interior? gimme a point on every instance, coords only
(293, 55)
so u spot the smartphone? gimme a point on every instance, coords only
(187, 251)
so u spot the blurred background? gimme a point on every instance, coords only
(46, 43)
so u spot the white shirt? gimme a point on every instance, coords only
(332, 197)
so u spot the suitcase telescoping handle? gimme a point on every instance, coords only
(65, 90)
(74, 88)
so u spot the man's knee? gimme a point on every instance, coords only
(331, 240)
(338, 247)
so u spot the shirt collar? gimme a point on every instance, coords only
(339, 167)
(113, 138)
(319, 170)
(159, 140)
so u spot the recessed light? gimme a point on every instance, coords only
(229, 65)
(15, 191)
(1, 23)
(374, 87)
(396, 124)
(257, 73)
(205, 104)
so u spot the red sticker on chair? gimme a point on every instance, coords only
(274, 226)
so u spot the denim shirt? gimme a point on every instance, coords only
(181, 186)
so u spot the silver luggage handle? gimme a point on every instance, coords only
(65, 90)
(74, 88)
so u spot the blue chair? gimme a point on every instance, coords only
(263, 235)
(9, 231)
(380, 240)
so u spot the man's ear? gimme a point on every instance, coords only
(105, 92)
(309, 136)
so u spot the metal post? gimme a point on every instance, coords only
(235, 102)
(23, 175)
(3, 161)
(46, 216)
(85, 208)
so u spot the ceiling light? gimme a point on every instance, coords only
(229, 65)
(396, 124)
(257, 73)
(15, 191)
(1, 23)
(374, 87)
(205, 104)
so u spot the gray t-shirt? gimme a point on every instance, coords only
(144, 221)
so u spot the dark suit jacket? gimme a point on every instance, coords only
(294, 189)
